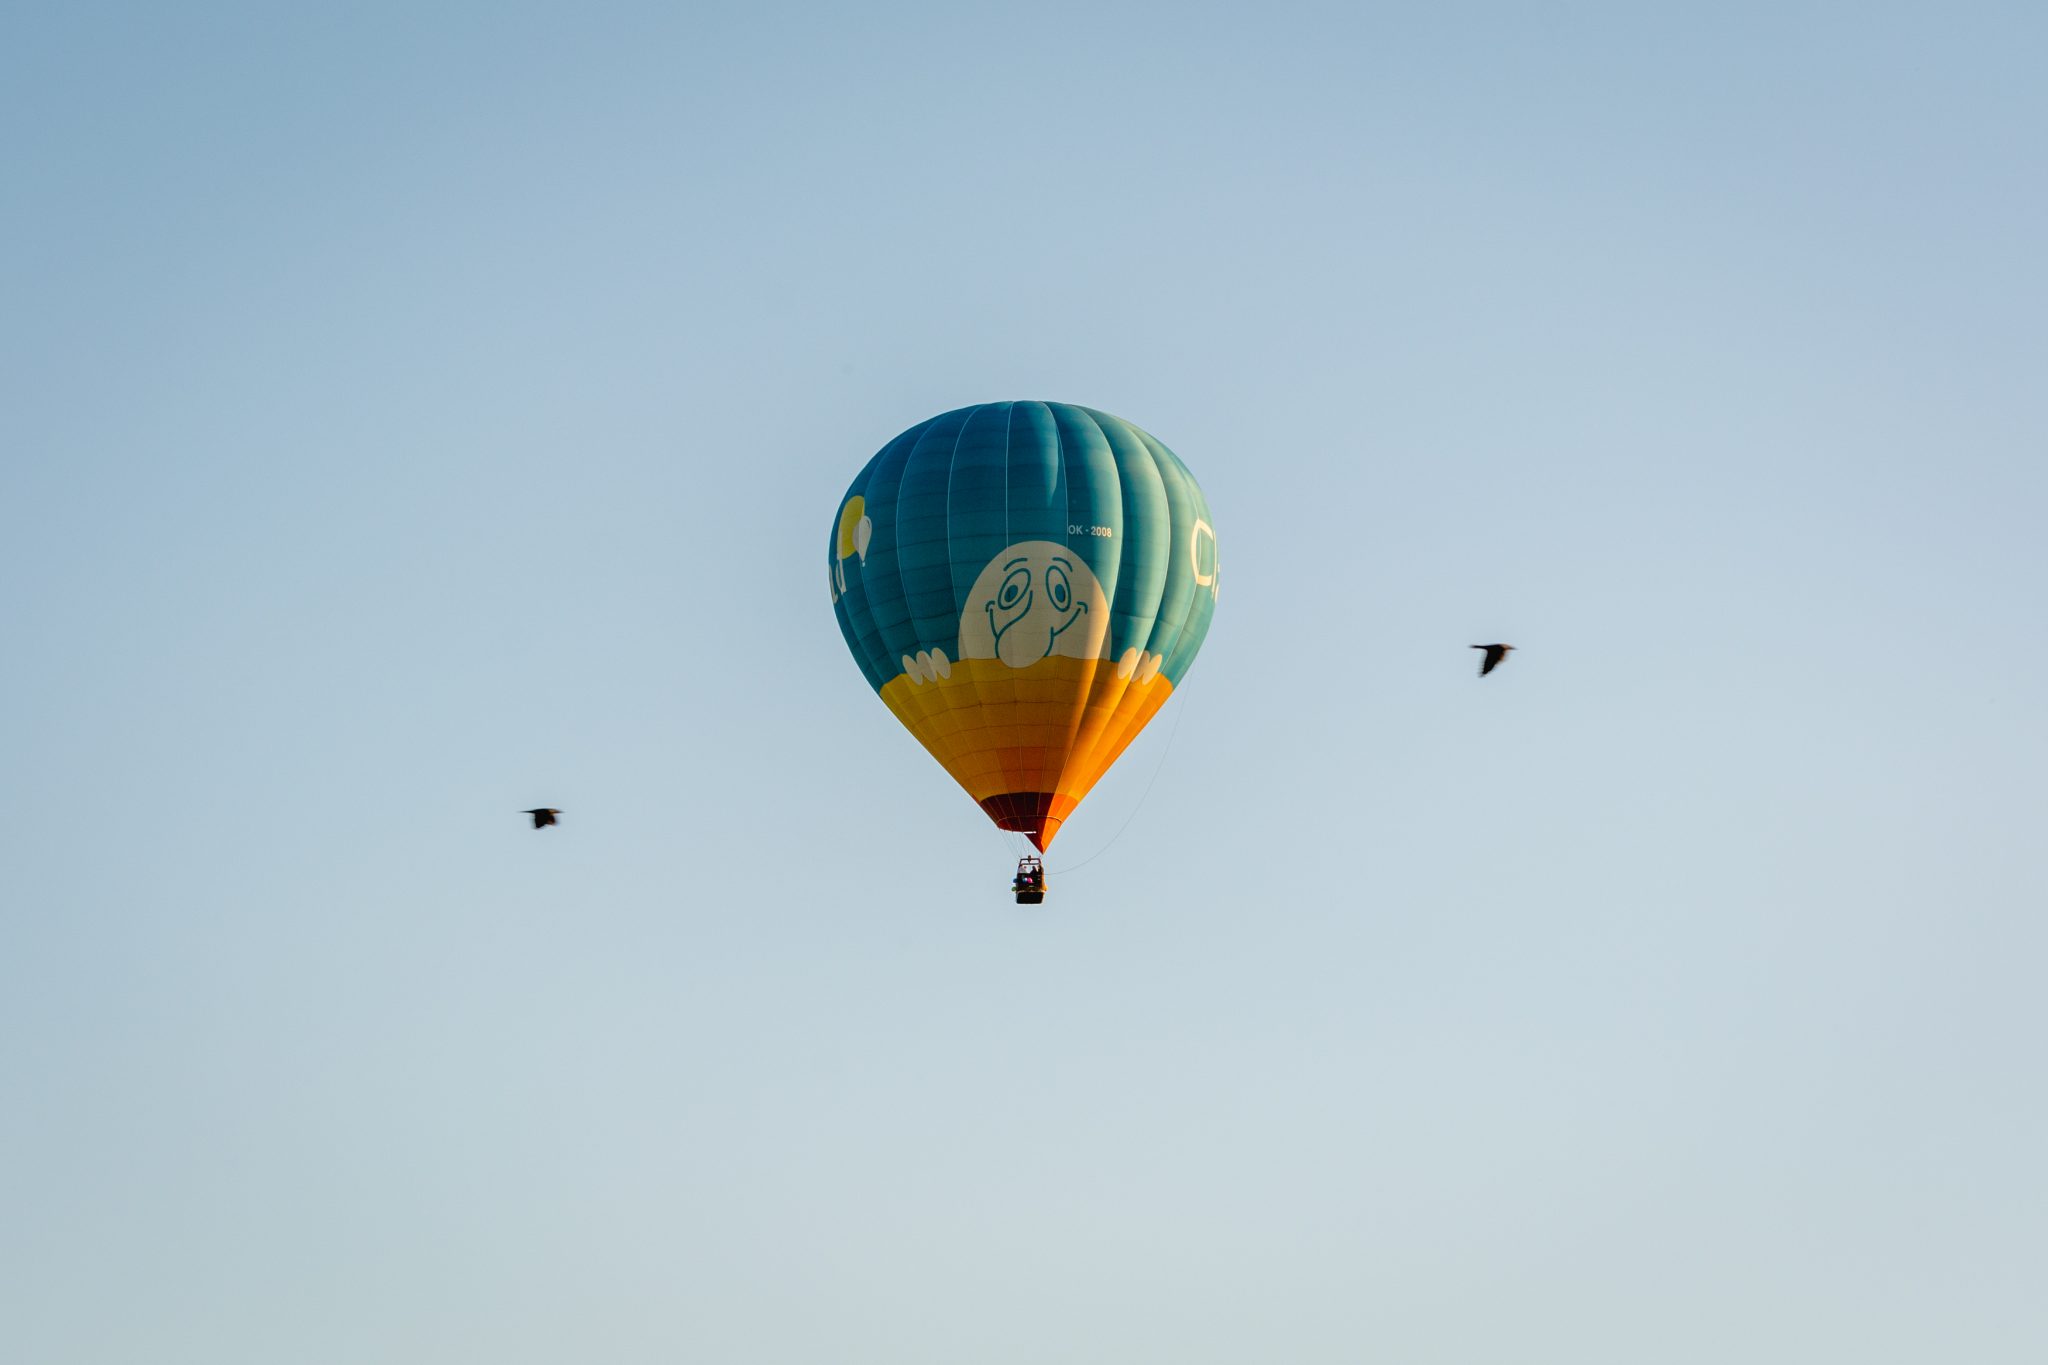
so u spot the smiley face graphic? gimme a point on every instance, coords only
(1034, 600)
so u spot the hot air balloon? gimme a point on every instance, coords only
(1024, 585)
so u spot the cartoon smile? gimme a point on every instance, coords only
(1030, 611)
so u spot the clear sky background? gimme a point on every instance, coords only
(413, 413)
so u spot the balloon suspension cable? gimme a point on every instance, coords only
(1180, 713)
(1013, 844)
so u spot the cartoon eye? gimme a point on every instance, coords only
(1057, 587)
(1014, 588)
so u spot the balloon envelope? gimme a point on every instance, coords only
(1024, 585)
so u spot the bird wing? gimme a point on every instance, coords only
(1494, 654)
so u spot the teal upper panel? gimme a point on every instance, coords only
(946, 506)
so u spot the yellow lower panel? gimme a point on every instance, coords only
(1054, 727)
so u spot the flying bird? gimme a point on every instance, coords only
(1494, 654)
(543, 817)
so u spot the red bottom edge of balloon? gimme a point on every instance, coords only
(1028, 813)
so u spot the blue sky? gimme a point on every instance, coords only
(414, 414)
